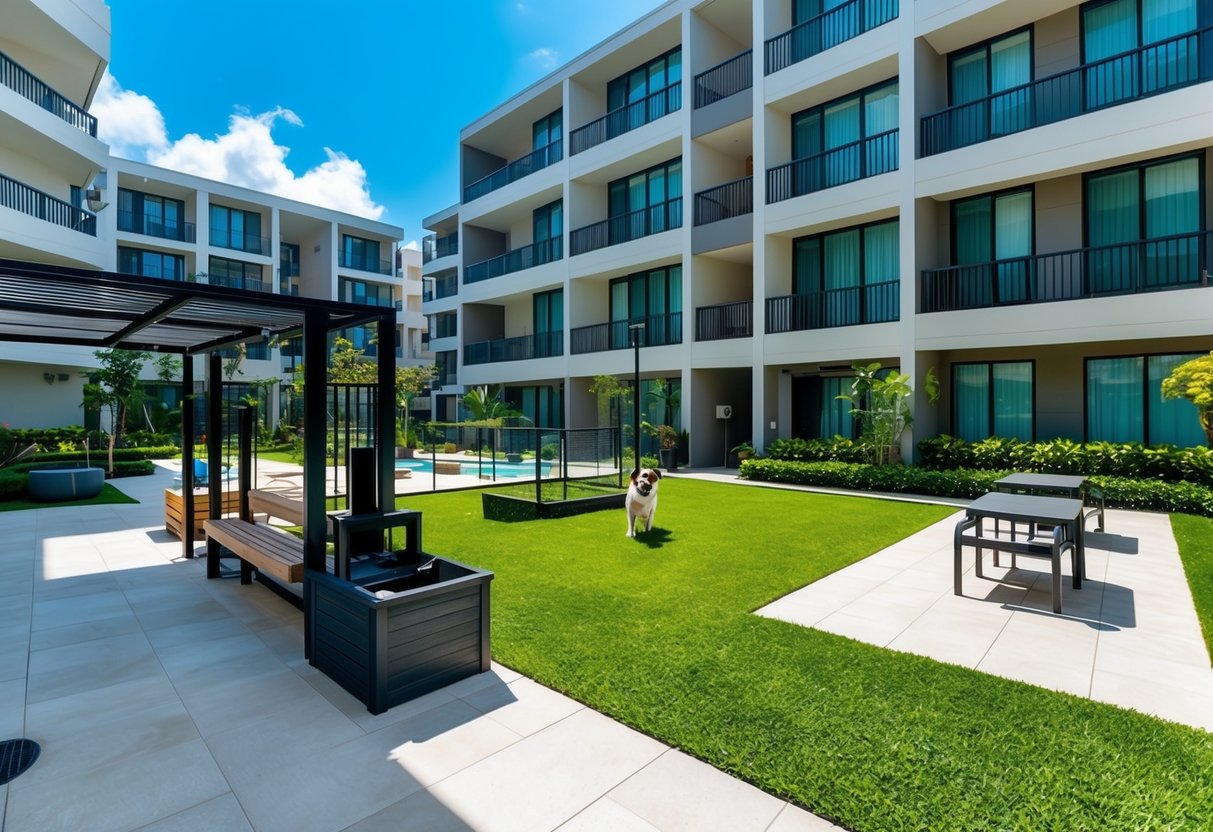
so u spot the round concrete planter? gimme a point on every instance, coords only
(57, 485)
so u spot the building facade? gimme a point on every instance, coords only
(1013, 194)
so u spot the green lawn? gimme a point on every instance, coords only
(108, 496)
(1195, 538)
(658, 632)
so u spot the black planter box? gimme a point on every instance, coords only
(402, 635)
(510, 509)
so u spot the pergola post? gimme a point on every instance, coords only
(315, 429)
(385, 422)
(214, 452)
(187, 455)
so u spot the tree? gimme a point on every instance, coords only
(1193, 380)
(487, 405)
(611, 392)
(410, 381)
(881, 404)
(116, 387)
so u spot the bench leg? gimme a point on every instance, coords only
(1056, 580)
(957, 568)
(246, 572)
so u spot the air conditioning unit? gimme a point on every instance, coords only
(724, 411)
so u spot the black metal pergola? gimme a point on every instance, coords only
(49, 304)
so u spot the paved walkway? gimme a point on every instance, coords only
(164, 701)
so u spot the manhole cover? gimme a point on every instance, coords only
(16, 756)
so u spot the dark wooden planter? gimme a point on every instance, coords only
(393, 640)
(510, 509)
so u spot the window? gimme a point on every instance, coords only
(645, 203)
(542, 405)
(1113, 28)
(445, 363)
(235, 274)
(361, 291)
(1143, 223)
(288, 269)
(548, 228)
(444, 325)
(236, 229)
(357, 253)
(1125, 404)
(993, 235)
(546, 131)
(994, 399)
(548, 316)
(646, 79)
(151, 263)
(849, 276)
(1003, 63)
(155, 216)
(652, 298)
(842, 136)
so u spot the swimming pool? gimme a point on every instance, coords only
(472, 468)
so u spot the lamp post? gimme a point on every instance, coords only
(634, 331)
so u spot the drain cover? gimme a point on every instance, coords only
(16, 756)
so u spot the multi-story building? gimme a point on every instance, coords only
(1014, 194)
(64, 199)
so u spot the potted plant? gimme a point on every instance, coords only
(743, 451)
(667, 441)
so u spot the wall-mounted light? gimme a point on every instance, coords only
(49, 378)
(63, 376)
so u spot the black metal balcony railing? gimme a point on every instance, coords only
(440, 287)
(433, 246)
(724, 320)
(727, 78)
(21, 197)
(251, 243)
(871, 304)
(871, 156)
(830, 28)
(1140, 73)
(1176, 262)
(156, 227)
(521, 348)
(626, 227)
(625, 118)
(365, 264)
(732, 199)
(534, 161)
(536, 254)
(23, 82)
(659, 330)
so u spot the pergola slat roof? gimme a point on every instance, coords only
(62, 305)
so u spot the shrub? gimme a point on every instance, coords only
(126, 468)
(549, 451)
(12, 484)
(98, 457)
(148, 439)
(837, 449)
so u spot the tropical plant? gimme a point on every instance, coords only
(881, 405)
(115, 386)
(486, 405)
(1193, 380)
(743, 450)
(667, 436)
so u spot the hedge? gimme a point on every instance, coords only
(13, 479)
(100, 456)
(1119, 492)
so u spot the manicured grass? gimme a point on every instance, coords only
(278, 456)
(108, 496)
(658, 632)
(1195, 538)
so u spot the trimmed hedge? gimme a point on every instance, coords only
(1119, 492)
(100, 456)
(837, 449)
(14, 478)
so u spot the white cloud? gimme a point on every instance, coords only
(246, 155)
(413, 244)
(543, 57)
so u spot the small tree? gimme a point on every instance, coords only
(1193, 380)
(116, 387)
(881, 404)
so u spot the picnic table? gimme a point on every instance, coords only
(1074, 486)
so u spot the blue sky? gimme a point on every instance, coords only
(222, 89)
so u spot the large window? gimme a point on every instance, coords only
(236, 229)
(155, 216)
(993, 399)
(151, 263)
(548, 312)
(1115, 27)
(646, 79)
(988, 228)
(542, 405)
(1125, 403)
(361, 291)
(546, 131)
(843, 134)
(1143, 223)
(547, 224)
(288, 269)
(644, 203)
(989, 68)
(849, 275)
(235, 274)
(652, 298)
(359, 253)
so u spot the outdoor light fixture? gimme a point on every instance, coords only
(49, 378)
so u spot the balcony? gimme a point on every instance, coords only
(627, 227)
(133, 223)
(440, 287)
(445, 326)
(725, 79)
(365, 264)
(732, 199)
(1181, 261)
(874, 303)
(250, 243)
(850, 162)
(246, 283)
(521, 348)
(724, 320)
(21, 197)
(626, 118)
(1147, 71)
(830, 28)
(534, 161)
(659, 330)
(433, 246)
(26, 84)
(536, 254)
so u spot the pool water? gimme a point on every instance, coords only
(472, 468)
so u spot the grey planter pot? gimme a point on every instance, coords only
(55, 485)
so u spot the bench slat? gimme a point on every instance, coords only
(271, 551)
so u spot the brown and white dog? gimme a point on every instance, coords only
(641, 501)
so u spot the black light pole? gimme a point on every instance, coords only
(634, 330)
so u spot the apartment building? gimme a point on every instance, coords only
(64, 199)
(1014, 194)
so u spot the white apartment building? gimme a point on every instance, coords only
(1016, 194)
(64, 199)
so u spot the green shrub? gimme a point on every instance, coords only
(549, 451)
(148, 439)
(1119, 492)
(12, 484)
(126, 468)
(99, 457)
(837, 449)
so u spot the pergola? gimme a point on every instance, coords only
(49, 304)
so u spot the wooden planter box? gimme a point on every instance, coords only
(174, 510)
(394, 640)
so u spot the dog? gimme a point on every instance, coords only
(641, 501)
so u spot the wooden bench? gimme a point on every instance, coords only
(259, 545)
